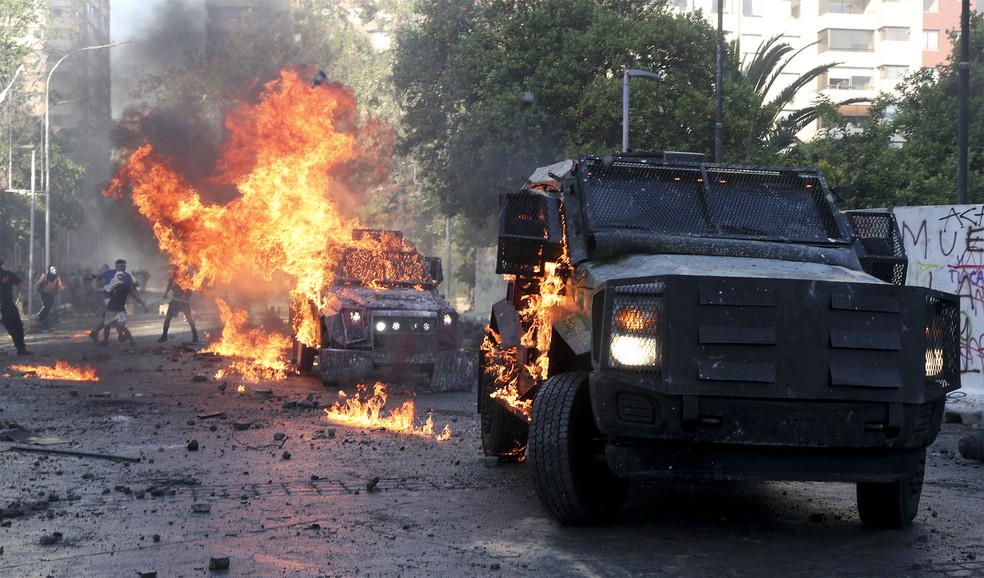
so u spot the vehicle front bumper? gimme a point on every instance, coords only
(446, 370)
(659, 436)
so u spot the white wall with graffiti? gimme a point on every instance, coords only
(945, 247)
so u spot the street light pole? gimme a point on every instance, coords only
(629, 72)
(30, 245)
(963, 108)
(47, 146)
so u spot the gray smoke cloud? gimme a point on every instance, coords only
(161, 36)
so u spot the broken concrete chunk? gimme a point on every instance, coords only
(218, 563)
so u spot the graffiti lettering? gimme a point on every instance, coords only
(945, 246)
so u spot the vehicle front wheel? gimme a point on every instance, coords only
(566, 455)
(891, 504)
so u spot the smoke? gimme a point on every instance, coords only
(160, 39)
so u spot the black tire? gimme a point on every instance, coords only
(891, 504)
(566, 455)
(504, 434)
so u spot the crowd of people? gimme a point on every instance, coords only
(82, 292)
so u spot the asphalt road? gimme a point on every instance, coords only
(275, 489)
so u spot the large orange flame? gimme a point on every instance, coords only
(285, 157)
(538, 312)
(62, 370)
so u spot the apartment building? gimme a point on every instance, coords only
(874, 43)
(79, 90)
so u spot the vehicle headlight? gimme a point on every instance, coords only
(635, 343)
(934, 352)
(354, 325)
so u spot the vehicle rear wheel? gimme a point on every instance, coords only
(567, 455)
(891, 504)
(504, 434)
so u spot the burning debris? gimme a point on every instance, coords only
(62, 371)
(516, 368)
(367, 411)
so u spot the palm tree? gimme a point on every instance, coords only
(780, 125)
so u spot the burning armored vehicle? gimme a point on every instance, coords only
(671, 319)
(383, 314)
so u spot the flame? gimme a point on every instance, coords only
(367, 411)
(538, 312)
(265, 358)
(61, 370)
(287, 157)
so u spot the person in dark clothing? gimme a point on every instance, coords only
(180, 303)
(104, 279)
(8, 309)
(118, 290)
(48, 286)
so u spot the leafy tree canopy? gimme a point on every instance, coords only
(462, 68)
(20, 21)
(907, 152)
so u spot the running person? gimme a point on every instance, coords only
(180, 303)
(118, 290)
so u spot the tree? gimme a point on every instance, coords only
(907, 152)
(20, 21)
(777, 125)
(461, 68)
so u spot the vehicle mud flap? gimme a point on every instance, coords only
(305, 356)
(340, 367)
(454, 371)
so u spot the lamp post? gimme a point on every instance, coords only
(629, 72)
(30, 242)
(47, 146)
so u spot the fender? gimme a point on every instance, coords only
(570, 345)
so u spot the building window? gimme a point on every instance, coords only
(794, 9)
(748, 8)
(845, 39)
(842, 80)
(893, 34)
(892, 72)
(931, 6)
(931, 39)
(678, 4)
(843, 6)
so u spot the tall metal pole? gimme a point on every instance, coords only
(629, 72)
(719, 89)
(47, 146)
(963, 109)
(30, 252)
(447, 246)
(10, 130)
